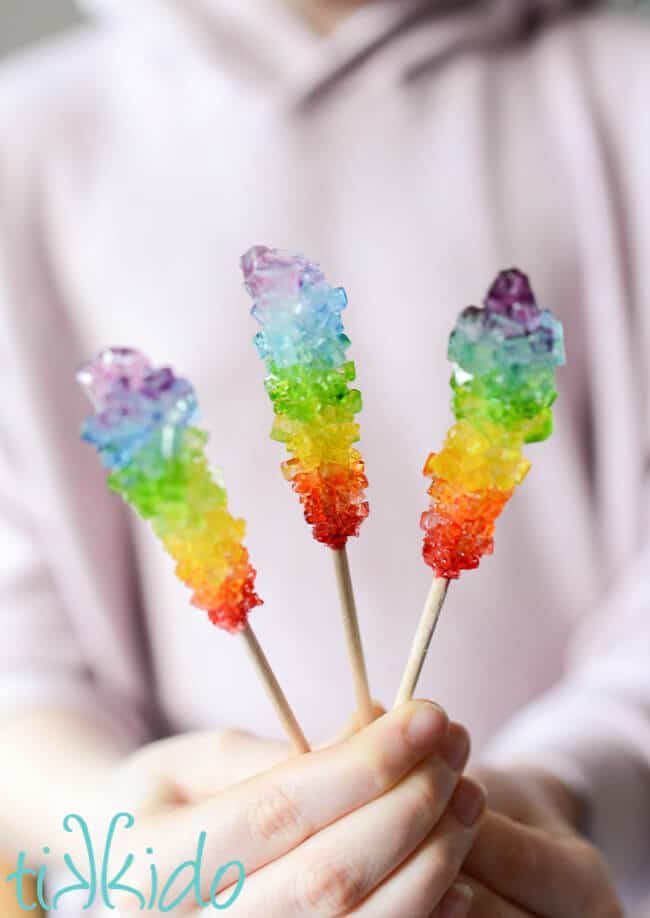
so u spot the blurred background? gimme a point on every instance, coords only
(25, 21)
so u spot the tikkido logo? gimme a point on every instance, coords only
(100, 885)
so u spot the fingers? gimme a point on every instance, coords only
(194, 766)
(456, 903)
(267, 816)
(425, 878)
(336, 870)
(240, 756)
(528, 796)
(483, 903)
(551, 876)
(503, 799)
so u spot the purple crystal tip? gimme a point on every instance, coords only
(272, 272)
(511, 295)
(113, 368)
(133, 403)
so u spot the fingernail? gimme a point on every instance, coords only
(455, 747)
(426, 726)
(457, 902)
(468, 802)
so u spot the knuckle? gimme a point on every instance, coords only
(436, 874)
(377, 771)
(276, 814)
(417, 814)
(329, 886)
(442, 866)
(426, 797)
(485, 904)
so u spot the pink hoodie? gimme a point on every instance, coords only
(414, 153)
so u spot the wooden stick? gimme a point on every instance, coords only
(353, 636)
(273, 690)
(423, 635)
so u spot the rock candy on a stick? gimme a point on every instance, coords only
(143, 430)
(504, 358)
(304, 347)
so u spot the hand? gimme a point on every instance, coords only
(375, 825)
(529, 859)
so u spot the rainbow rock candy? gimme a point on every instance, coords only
(504, 358)
(304, 347)
(142, 428)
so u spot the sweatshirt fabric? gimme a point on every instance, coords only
(416, 151)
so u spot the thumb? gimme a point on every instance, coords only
(199, 765)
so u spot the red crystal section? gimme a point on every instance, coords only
(333, 502)
(235, 599)
(459, 527)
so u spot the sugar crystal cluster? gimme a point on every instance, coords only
(142, 428)
(504, 358)
(304, 347)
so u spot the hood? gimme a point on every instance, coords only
(268, 40)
